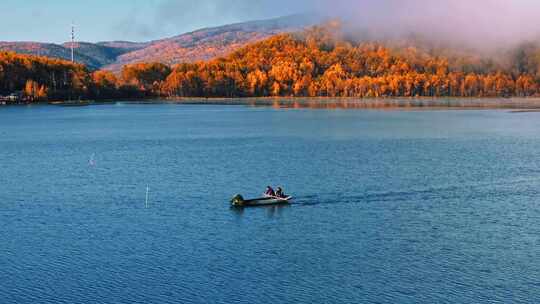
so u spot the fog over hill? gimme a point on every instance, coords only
(483, 24)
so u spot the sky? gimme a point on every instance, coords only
(490, 22)
(132, 20)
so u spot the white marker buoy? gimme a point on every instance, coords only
(147, 190)
(92, 161)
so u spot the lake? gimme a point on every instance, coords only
(391, 206)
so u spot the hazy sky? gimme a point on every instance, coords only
(479, 21)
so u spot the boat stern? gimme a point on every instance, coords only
(237, 200)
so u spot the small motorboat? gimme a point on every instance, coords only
(239, 201)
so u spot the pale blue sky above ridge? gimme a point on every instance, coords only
(134, 20)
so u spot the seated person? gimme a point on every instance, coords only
(269, 191)
(279, 193)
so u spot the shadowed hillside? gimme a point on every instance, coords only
(101, 54)
(50, 50)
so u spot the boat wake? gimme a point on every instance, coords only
(488, 191)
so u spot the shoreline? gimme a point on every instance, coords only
(518, 104)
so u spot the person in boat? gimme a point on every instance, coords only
(279, 193)
(269, 191)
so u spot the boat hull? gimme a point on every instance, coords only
(266, 201)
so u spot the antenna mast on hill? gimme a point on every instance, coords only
(72, 42)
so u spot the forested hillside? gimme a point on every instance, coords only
(319, 63)
(315, 62)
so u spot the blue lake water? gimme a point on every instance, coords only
(392, 206)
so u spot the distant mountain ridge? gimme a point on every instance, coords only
(50, 50)
(198, 45)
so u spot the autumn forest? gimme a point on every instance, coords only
(317, 62)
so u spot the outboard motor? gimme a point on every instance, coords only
(237, 200)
